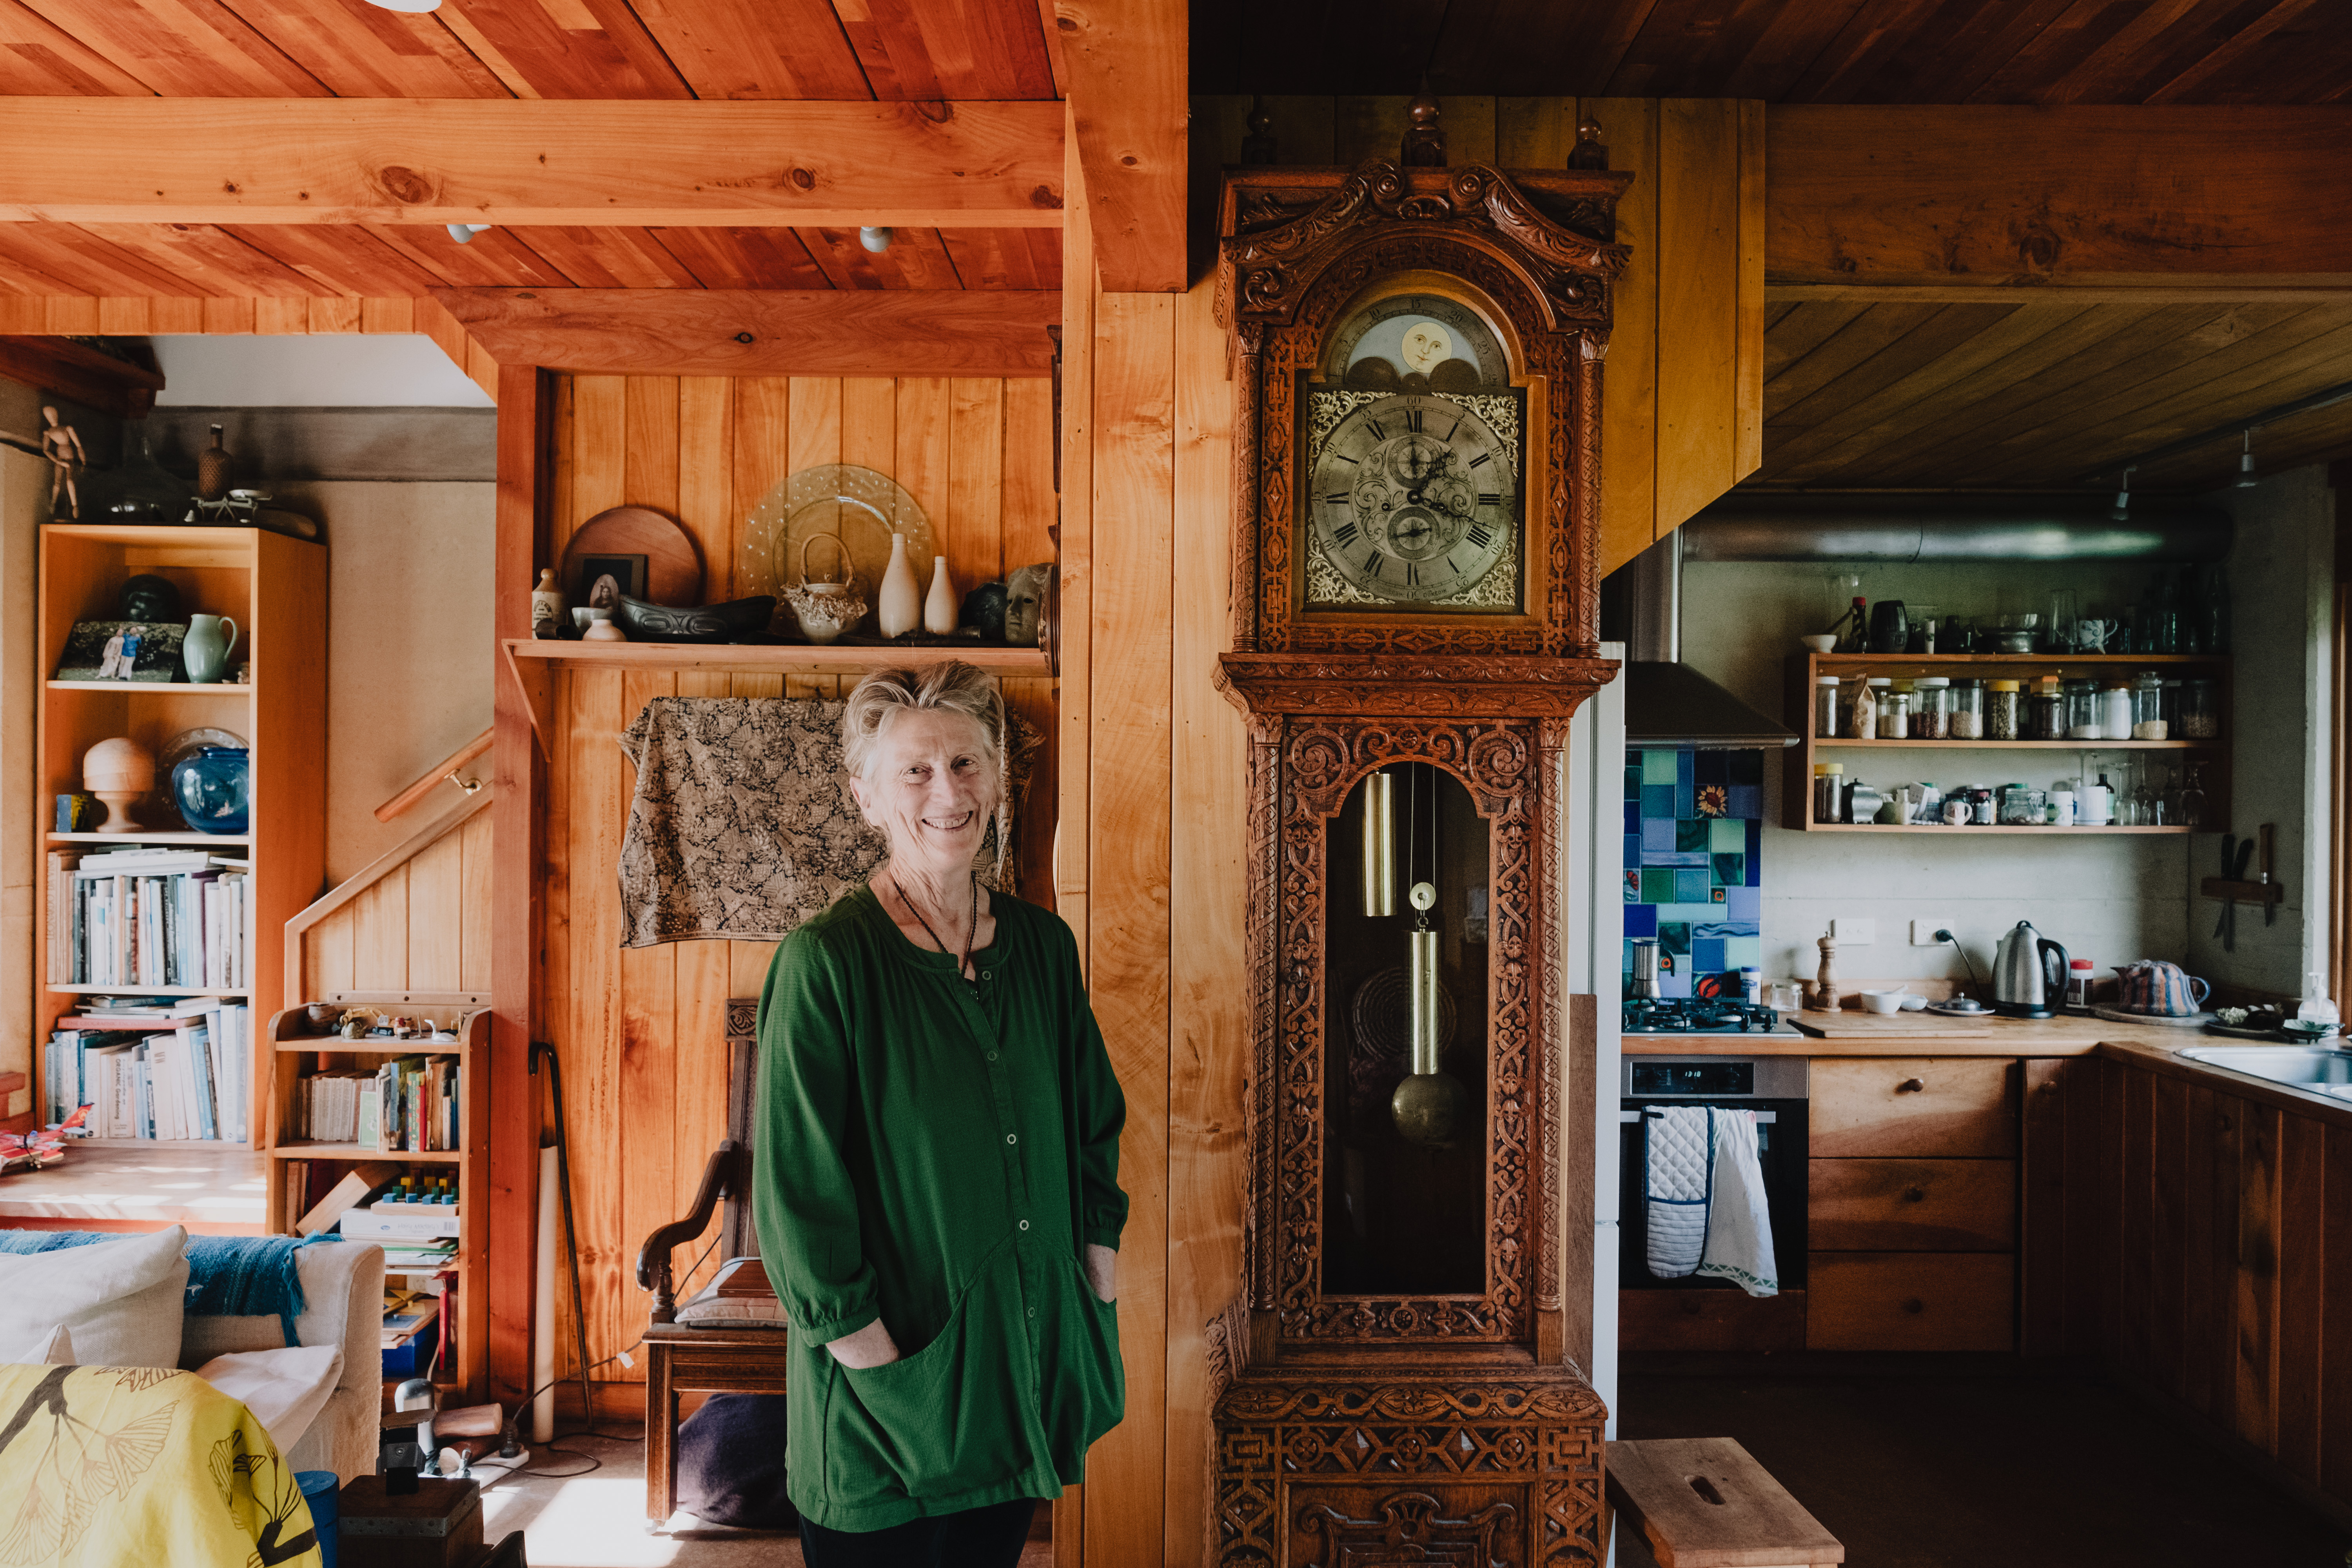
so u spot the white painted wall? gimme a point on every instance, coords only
(24, 502)
(330, 370)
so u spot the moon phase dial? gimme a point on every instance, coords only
(1414, 498)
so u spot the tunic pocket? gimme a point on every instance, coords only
(1094, 1373)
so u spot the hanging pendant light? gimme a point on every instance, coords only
(2121, 510)
(2246, 479)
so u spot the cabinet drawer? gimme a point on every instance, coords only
(1912, 1205)
(1911, 1301)
(1963, 1107)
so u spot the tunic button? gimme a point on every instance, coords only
(1033, 1312)
(983, 975)
(1012, 1138)
(992, 1056)
(1025, 1225)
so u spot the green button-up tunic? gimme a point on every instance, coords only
(937, 1160)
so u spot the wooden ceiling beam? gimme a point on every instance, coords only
(60, 367)
(1994, 197)
(1124, 61)
(723, 331)
(340, 160)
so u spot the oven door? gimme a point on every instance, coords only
(1780, 1142)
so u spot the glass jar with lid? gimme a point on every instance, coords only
(2147, 709)
(1931, 708)
(2023, 807)
(1829, 791)
(2003, 703)
(1825, 706)
(2116, 710)
(1968, 711)
(2083, 710)
(1895, 711)
(2200, 709)
(2045, 712)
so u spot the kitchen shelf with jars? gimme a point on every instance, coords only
(2151, 732)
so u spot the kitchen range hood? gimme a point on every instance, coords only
(1668, 703)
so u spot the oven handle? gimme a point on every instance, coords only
(1763, 1117)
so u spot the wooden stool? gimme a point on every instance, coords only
(1701, 1502)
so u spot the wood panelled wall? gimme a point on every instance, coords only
(1682, 398)
(641, 1032)
(416, 919)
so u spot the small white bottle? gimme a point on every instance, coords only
(940, 609)
(2095, 804)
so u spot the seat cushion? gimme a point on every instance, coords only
(738, 1297)
(119, 1301)
(730, 1462)
(285, 1389)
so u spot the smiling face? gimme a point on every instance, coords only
(1426, 346)
(929, 785)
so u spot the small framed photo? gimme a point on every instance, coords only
(146, 651)
(628, 571)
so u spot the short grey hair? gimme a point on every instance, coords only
(949, 686)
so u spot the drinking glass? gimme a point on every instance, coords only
(2060, 627)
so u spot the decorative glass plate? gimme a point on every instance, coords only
(863, 508)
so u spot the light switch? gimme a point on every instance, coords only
(1852, 933)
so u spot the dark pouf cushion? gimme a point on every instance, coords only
(730, 1462)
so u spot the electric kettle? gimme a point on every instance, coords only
(2029, 974)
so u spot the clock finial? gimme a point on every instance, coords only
(1590, 152)
(1257, 147)
(1424, 139)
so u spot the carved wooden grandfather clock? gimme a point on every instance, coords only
(1416, 353)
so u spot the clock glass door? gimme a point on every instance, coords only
(1405, 957)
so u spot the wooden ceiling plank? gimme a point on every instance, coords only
(916, 260)
(477, 44)
(38, 59)
(113, 160)
(26, 272)
(1004, 258)
(493, 260)
(1951, 328)
(1052, 34)
(97, 265)
(888, 50)
(2229, 53)
(348, 261)
(1129, 116)
(2109, 68)
(1806, 326)
(743, 258)
(1871, 35)
(1688, 44)
(1837, 354)
(229, 264)
(818, 333)
(616, 59)
(1786, 49)
(778, 48)
(1952, 51)
(2321, 435)
(367, 51)
(1919, 399)
(184, 49)
(988, 48)
(607, 258)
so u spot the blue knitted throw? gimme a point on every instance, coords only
(228, 1275)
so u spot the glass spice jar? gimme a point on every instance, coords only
(2002, 705)
(2147, 709)
(1825, 706)
(1931, 709)
(2200, 709)
(2023, 807)
(1894, 712)
(2083, 710)
(2045, 712)
(1829, 791)
(1968, 711)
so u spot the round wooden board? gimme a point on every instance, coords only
(672, 566)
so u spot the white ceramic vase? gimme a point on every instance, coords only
(898, 605)
(939, 609)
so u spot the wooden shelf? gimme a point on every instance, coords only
(1834, 663)
(1823, 743)
(233, 840)
(772, 658)
(307, 1044)
(356, 1152)
(1972, 830)
(146, 991)
(145, 686)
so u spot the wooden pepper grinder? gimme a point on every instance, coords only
(1825, 983)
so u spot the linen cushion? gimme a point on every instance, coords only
(730, 1462)
(121, 1299)
(285, 1389)
(738, 1297)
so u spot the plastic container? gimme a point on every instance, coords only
(2200, 709)
(1969, 711)
(1895, 711)
(1751, 985)
(322, 1490)
(1825, 706)
(2147, 709)
(2004, 705)
(1829, 791)
(1931, 709)
(2115, 711)
(2078, 984)
(2045, 712)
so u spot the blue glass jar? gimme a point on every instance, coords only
(213, 788)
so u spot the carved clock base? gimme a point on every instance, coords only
(1358, 1463)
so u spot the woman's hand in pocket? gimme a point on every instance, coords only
(869, 1347)
(1102, 1271)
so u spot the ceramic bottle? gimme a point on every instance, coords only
(898, 607)
(211, 470)
(206, 647)
(940, 609)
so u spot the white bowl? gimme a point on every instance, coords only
(1915, 1004)
(1820, 643)
(1882, 1000)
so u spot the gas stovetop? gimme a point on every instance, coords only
(1697, 1015)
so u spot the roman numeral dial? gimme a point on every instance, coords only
(1413, 499)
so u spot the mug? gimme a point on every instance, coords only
(2161, 990)
(1956, 811)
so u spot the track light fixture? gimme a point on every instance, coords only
(409, 5)
(877, 240)
(2246, 479)
(464, 233)
(2121, 510)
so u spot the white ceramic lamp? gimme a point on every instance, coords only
(118, 772)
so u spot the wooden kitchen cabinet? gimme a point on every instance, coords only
(1953, 1107)
(1911, 1301)
(1912, 1205)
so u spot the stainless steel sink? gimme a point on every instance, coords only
(2315, 1069)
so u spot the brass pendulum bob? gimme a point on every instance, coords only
(1428, 1105)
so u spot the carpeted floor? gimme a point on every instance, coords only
(1962, 1461)
(597, 1521)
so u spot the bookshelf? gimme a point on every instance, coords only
(275, 588)
(301, 1170)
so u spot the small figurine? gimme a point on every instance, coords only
(356, 1022)
(63, 449)
(1424, 139)
(1590, 152)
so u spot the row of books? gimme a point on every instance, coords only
(409, 1103)
(152, 1068)
(146, 915)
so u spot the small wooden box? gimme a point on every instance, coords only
(1701, 1502)
(439, 1525)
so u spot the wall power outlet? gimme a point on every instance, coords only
(1923, 932)
(1848, 931)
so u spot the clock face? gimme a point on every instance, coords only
(1412, 342)
(1416, 498)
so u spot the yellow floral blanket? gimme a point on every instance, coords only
(101, 1466)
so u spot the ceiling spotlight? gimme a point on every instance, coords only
(2246, 479)
(2121, 510)
(409, 5)
(464, 233)
(877, 240)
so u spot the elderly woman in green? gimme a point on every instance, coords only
(937, 1154)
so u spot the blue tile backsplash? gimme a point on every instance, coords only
(1694, 826)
